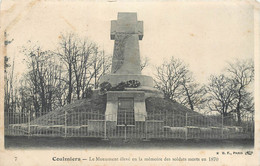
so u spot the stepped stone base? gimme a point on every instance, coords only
(147, 84)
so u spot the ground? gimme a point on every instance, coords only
(164, 111)
(12, 142)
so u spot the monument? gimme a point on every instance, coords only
(127, 106)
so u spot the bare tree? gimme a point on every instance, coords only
(81, 64)
(247, 105)
(84, 64)
(8, 89)
(55, 78)
(67, 51)
(169, 78)
(99, 66)
(8, 77)
(221, 94)
(242, 74)
(144, 62)
(177, 83)
(42, 81)
(193, 93)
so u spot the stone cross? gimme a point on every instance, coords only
(126, 31)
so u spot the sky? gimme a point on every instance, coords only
(205, 35)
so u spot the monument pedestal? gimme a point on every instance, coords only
(126, 103)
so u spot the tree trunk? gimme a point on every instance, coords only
(189, 99)
(238, 108)
(70, 84)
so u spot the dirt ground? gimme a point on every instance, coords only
(18, 142)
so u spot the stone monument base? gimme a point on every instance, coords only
(112, 105)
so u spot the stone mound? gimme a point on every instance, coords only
(157, 109)
(175, 114)
(97, 105)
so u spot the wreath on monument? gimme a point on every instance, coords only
(106, 86)
(133, 83)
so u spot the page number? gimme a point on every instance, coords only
(15, 158)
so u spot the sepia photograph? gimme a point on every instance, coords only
(125, 76)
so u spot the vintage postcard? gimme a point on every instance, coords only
(129, 83)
